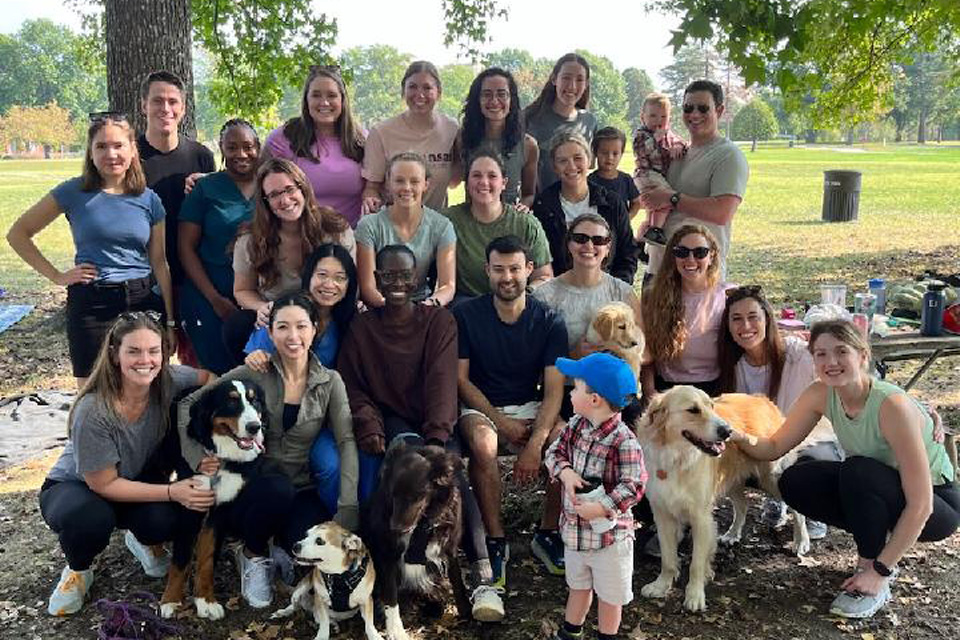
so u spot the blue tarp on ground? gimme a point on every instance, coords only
(10, 314)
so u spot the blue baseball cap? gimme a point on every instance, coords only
(608, 375)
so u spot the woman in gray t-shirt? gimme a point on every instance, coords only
(113, 473)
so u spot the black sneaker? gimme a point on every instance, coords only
(548, 547)
(655, 236)
(499, 552)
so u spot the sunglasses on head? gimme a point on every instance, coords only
(100, 116)
(682, 252)
(702, 108)
(133, 316)
(583, 238)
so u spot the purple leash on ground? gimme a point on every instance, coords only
(133, 619)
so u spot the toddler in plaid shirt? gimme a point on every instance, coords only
(597, 446)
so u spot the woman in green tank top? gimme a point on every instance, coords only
(895, 487)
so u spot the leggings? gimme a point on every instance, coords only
(84, 520)
(864, 497)
(325, 467)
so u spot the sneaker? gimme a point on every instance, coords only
(548, 547)
(487, 604)
(70, 592)
(154, 559)
(499, 552)
(283, 564)
(774, 513)
(256, 579)
(655, 236)
(816, 530)
(563, 634)
(859, 605)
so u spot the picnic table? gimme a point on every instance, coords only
(912, 346)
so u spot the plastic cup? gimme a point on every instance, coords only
(834, 294)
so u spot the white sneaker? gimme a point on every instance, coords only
(859, 605)
(256, 579)
(70, 592)
(155, 566)
(487, 604)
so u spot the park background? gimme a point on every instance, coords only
(901, 133)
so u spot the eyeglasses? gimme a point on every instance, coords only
(583, 238)
(336, 278)
(289, 190)
(682, 252)
(101, 116)
(500, 94)
(404, 276)
(702, 108)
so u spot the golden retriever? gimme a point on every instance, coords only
(614, 329)
(683, 434)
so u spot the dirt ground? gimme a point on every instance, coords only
(760, 592)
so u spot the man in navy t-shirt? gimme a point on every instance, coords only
(510, 391)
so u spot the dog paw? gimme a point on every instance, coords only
(208, 610)
(695, 600)
(659, 588)
(729, 539)
(286, 612)
(800, 548)
(395, 630)
(169, 609)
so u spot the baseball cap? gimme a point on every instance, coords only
(608, 375)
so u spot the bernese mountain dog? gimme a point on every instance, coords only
(228, 419)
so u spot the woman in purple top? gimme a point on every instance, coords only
(325, 142)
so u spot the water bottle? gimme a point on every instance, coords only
(879, 288)
(931, 318)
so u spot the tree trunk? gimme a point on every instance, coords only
(922, 127)
(144, 36)
(753, 147)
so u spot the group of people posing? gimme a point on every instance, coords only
(324, 264)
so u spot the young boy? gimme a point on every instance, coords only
(597, 446)
(655, 146)
(608, 146)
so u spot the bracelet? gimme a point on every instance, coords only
(172, 324)
(169, 497)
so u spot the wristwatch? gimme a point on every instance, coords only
(675, 199)
(882, 569)
(172, 324)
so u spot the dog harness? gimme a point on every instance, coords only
(341, 585)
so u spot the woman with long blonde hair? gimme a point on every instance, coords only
(682, 312)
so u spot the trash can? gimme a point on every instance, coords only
(841, 196)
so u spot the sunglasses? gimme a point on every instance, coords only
(682, 252)
(100, 116)
(134, 316)
(702, 108)
(583, 238)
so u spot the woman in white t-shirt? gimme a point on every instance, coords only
(421, 129)
(682, 313)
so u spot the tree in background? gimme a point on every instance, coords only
(840, 54)
(703, 62)
(638, 86)
(456, 80)
(44, 62)
(608, 95)
(755, 121)
(375, 74)
(49, 126)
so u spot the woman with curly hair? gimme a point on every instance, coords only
(491, 119)
(682, 313)
(288, 225)
(325, 141)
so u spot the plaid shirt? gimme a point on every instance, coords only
(610, 452)
(653, 154)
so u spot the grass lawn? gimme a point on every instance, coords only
(909, 218)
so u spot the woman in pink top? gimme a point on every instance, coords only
(681, 315)
(325, 142)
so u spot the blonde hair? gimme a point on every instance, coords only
(569, 135)
(134, 181)
(657, 99)
(663, 313)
